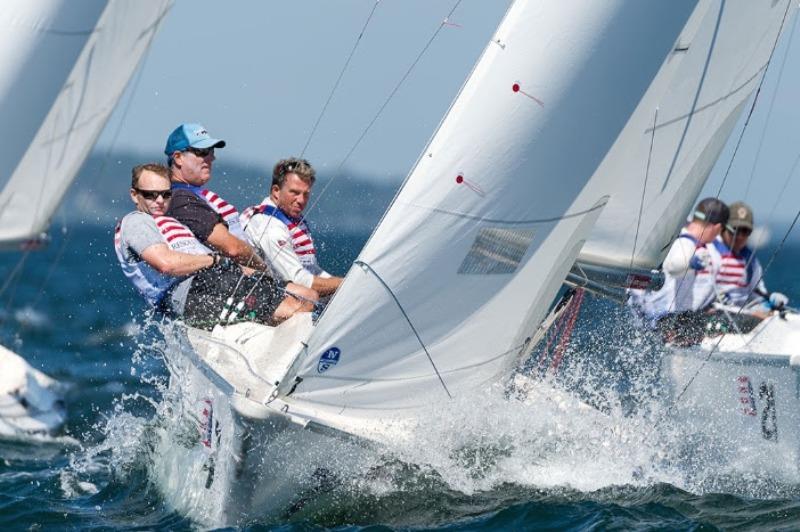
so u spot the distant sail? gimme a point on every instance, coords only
(465, 263)
(63, 68)
(686, 116)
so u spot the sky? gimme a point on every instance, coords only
(258, 73)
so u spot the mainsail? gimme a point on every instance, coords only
(659, 163)
(462, 268)
(63, 67)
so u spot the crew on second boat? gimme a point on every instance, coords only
(179, 275)
(677, 309)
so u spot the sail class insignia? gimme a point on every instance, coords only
(329, 358)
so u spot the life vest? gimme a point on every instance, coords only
(737, 274)
(302, 242)
(152, 284)
(735, 270)
(227, 211)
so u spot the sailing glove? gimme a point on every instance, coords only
(778, 300)
(700, 260)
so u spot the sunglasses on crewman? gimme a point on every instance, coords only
(744, 231)
(201, 152)
(154, 194)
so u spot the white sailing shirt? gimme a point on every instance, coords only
(685, 288)
(284, 242)
(136, 232)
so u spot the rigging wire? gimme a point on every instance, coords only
(339, 79)
(337, 172)
(769, 112)
(644, 187)
(226, 314)
(755, 99)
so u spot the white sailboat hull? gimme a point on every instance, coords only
(232, 456)
(31, 403)
(744, 393)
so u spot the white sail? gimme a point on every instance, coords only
(63, 67)
(680, 128)
(465, 263)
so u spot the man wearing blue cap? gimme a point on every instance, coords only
(215, 222)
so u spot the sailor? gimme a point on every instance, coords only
(215, 222)
(278, 229)
(178, 275)
(677, 309)
(739, 281)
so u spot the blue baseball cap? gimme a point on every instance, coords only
(190, 135)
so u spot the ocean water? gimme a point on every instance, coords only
(479, 464)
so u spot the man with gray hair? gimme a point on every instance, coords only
(280, 232)
(191, 152)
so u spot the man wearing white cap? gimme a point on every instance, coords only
(215, 222)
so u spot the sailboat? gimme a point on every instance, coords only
(63, 68)
(577, 118)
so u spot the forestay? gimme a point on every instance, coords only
(63, 67)
(680, 128)
(461, 270)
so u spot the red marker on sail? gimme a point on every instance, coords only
(516, 88)
(461, 180)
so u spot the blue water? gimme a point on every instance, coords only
(76, 318)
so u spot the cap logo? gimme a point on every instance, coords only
(741, 212)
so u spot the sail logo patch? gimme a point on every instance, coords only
(327, 359)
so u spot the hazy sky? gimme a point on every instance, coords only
(257, 73)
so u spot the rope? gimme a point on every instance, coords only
(566, 334)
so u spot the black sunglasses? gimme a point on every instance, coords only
(154, 194)
(201, 152)
(745, 231)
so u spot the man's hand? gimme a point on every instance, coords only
(778, 300)
(700, 260)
